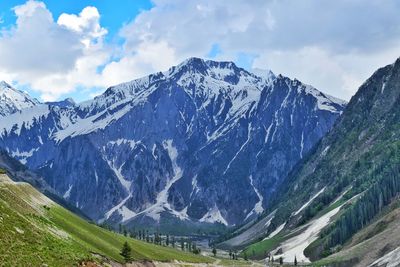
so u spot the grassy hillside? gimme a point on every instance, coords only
(35, 231)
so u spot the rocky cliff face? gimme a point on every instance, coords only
(204, 141)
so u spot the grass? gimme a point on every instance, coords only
(33, 233)
(227, 262)
(24, 238)
(107, 243)
(258, 250)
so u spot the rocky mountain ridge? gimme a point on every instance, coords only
(177, 145)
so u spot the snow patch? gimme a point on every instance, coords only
(126, 213)
(302, 145)
(258, 208)
(115, 208)
(125, 183)
(324, 101)
(323, 153)
(120, 141)
(213, 216)
(67, 194)
(276, 231)
(96, 177)
(295, 246)
(392, 259)
(383, 87)
(22, 156)
(308, 202)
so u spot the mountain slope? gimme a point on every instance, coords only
(179, 145)
(13, 100)
(358, 161)
(37, 231)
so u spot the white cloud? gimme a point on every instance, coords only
(37, 45)
(333, 45)
(53, 58)
(86, 24)
(149, 57)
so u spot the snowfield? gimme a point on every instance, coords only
(392, 259)
(295, 246)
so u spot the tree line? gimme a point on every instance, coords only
(379, 195)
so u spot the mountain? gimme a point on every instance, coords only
(13, 100)
(69, 102)
(201, 143)
(340, 203)
(35, 231)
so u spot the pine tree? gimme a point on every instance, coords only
(125, 231)
(214, 251)
(280, 260)
(194, 248)
(126, 252)
(295, 260)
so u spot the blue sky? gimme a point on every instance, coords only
(68, 48)
(113, 15)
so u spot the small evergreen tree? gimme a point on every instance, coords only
(295, 260)
(214, 251)
(125, 231)
(126, 252)
(280, 260)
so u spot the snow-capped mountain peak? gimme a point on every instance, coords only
(170, 142)
(13, 100)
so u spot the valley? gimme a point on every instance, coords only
(198, 160)
(199, 133)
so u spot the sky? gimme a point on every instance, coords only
(56, 49)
